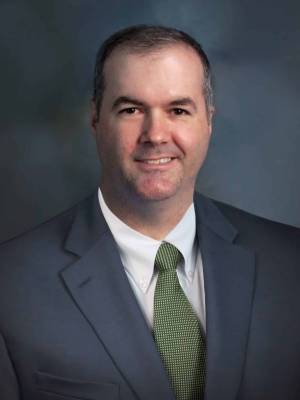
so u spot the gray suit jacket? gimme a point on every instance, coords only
(71, 328)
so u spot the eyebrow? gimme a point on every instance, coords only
(183, 101)
(126, 99)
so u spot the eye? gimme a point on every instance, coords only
(180, 111)
(128, 110)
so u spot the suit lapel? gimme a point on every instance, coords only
(99, 286)
(229, 272)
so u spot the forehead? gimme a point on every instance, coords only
(174, 70)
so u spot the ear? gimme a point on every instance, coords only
(94, 117)
(210, 115)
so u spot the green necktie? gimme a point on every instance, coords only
(177, 331)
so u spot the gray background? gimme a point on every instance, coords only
(48, 159)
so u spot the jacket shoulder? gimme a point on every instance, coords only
(43, 238)
(253, 228)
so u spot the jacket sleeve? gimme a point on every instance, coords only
(9, 388)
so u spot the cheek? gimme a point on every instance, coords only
(124, 147)
(194, 145)
(193, 141)
(107, 137)
(126, 138)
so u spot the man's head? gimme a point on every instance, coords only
(151, 116)
(143, 39)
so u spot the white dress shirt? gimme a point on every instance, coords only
(138, 252)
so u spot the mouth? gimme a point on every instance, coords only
(156, 164)
(157, 161)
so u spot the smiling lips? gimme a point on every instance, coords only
(157, 161)
(156, 164)
(150, 162)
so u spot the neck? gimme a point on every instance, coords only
(151, 218)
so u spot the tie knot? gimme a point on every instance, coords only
(167, 257)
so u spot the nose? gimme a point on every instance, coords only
(155, 128)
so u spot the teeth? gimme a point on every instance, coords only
(159, 161)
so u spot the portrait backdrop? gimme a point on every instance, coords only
(48, 158)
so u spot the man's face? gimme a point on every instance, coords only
(153, 128)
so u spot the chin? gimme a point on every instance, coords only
(157, 187)
(156, 192)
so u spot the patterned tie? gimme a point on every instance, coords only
(177, 331)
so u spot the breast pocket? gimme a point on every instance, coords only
(60, 388)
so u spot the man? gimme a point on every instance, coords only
(148, 290)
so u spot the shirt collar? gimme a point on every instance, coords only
(138, 251)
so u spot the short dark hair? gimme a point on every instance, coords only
(139, 39)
